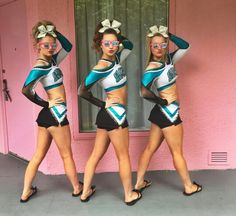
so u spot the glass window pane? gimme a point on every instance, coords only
(136, 17)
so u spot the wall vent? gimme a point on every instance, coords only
(218, 158)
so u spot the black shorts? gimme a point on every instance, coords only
(46, 119)
(158, 117)
(105, 121)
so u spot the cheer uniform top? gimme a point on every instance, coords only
(164, 77)
(110, 78)
(50, 77)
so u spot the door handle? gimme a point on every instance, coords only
(6, 91)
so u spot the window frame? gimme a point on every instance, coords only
(75, 127)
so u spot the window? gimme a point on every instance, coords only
(136, 17)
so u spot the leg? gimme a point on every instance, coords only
(155, 140)
(120, 140)
(102, 142)
(174, 139)
(44, 140)
(62, 138)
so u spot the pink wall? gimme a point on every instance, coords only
(207, 95)
(206, 83)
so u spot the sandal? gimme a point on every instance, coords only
(78, 194)
(199, 189)
(34, 190)
(147, 183)
(90, 195)
(130, 203)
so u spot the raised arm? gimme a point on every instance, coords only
(126, 47)
(66, 48)
(183, 47)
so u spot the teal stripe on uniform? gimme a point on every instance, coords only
(149, 76)
(116, 114)
(53, 86)
(115, 87)
(94, 77)
(169, 113)
(34, 75)
(57, 113)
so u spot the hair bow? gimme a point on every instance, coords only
(43, 31)
(163, 30)
(107, 25)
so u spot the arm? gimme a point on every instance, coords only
(150, 96)
(66, 48)
(126, 47)
(183, 47)
(84, 92)
(84, 88)
(29, 88)
(147, 80)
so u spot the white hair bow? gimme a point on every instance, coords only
(106, 25)
(163, 30)
(43, 31)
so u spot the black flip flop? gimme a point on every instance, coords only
(199, 189)
(88, 197)
(147, 184)
(78, 194)
(135, 200)
(34, 191)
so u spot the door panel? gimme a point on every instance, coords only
(15, 63)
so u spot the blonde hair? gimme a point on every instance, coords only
(35, 30)
(148, 49)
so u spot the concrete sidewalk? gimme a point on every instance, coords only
(163, 198)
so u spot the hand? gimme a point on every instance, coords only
(55, 102)
(111, 101)
(171, 98)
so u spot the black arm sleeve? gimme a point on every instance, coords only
(150, 96)
(84, 92)
(29, 92)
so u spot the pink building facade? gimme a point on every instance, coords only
(206, 85)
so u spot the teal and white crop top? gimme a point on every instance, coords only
(50, 76)
(110, 78)
(164, 76)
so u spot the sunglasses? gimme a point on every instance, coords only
(159, 46)
(46, 45)
(107, 43)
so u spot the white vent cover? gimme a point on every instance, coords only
(218, 158)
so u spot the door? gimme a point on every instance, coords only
(17, 124)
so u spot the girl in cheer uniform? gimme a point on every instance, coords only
(112, 125)
(159, 87)
(52, 120)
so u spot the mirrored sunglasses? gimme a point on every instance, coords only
(159, 45)
(48, 45)
(107, 43)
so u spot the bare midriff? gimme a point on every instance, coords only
(56, 93)
(170, 94)
(118, 95)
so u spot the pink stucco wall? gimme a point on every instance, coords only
(206, 85)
